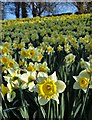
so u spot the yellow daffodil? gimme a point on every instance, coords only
(31, 67)
(42, 67)
(4, 89)
(67, 47)
(83, 81)
(50, 50)
(24, 53)
(48, 87)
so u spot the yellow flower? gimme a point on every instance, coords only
(5, 50)
(41, 67)
(10, 64)
(4, 89)
(24, 53)
(67, 47)
(48, 87)
(4, 60)
(59, 48)
(31, 67)
(39, 57)
(21, 45)
(50, 50)
(32, 52)
(82, 81)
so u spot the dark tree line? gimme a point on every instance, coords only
(37, 8)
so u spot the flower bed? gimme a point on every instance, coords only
(47, 68)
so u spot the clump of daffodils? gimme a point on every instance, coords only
(48, 87)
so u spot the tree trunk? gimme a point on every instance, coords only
(24, 10)
(17, 9)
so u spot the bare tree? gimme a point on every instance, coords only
(83, 7)
(39, 7)
(24, 10)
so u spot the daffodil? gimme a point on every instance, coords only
(84, 64)
(87, 65)
(48, 87)
(12, 78)
(50, 50)
(28, 79)
(24, 53)
(70, 58)
(67, 47)
(42, 67)
(7, 90)
(31, 67)
(59, 48)
(83, 81)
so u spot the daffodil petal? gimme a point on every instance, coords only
(41, 76)
(53, 77)
(76, 86)
(42, 101)
(24, 77)
(55, 97)
(35, 88)
(84, 74)
(11, 71)
(31, 85)
(60, 86)
(6, 78)
(90, 86)
(84, 90)
(76, 78)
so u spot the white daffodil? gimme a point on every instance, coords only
(70, 58)
(42, 67)
(12, 77)
(84, 63)
(48, 87)
(83, 81)
(28, 79)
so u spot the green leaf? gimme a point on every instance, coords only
(43, 112)
(77, 110)
(62, 106)
(24, 113)
(34, 115)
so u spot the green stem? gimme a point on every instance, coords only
(49, 109)
(6, 108)
(84, 103)
(54, 110)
